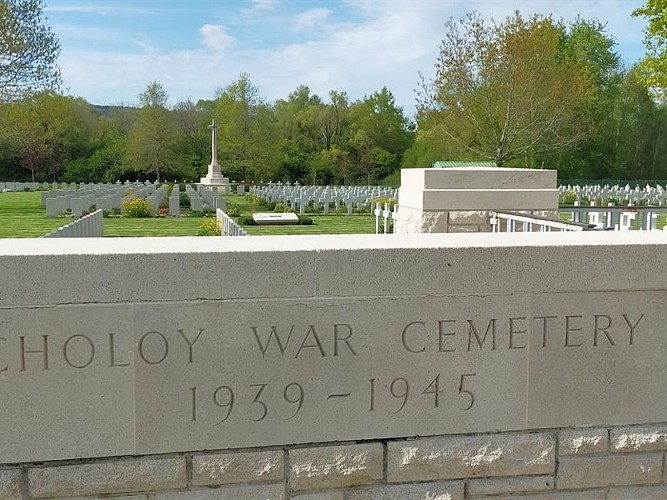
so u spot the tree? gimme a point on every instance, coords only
(28, 50)
(380, 133)
(246, 133)
(504, 91)
(151, 139)
(653, 67)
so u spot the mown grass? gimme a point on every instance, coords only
(322, 224)
(22, 216)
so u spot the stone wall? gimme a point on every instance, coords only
(616, 463)
(345, 367)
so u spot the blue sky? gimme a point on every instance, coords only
(111, 50)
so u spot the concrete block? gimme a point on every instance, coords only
(479, 178)
(609, 470)
(638, 493)
(446, 490)
(98, 279)
(507, 485)
(336, 466)
(253, 492)
(490, 199)
(328, 495)
(122, 476)
(72, 382)
(470, 456)
(226, 468)
(612, 344)
(639, 438)
(318, 370)
(10, 484)
(120, 497)
(582, 441)
(561, 495)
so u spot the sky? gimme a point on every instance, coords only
(112, 50)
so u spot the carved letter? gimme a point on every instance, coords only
(544, 327)
(442, 334)
(164, 342)
(343, 339)
(317, 343)
(45, 351)
(66, 354)
(513, 332)
(274, 332)
(4, 341)
(190, 344)
(112, 352)
(473, 332)
(632, 327)
(603, 329)
(569, 330)
(403, 341)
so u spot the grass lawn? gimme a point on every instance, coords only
(22, 216)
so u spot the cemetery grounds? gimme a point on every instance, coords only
(23, 216)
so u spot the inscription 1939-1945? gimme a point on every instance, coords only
(262, 399)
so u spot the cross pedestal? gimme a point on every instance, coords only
(214, 176)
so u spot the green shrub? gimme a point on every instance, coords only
(183, 200)
(246, 220)
(382, 201)
(196, 213)
(233, 210)
(253, 199)
(269, 205)
(136, 208)
(282, 208)
(304, 220)
(569, 198)
(209, 228)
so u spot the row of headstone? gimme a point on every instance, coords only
(228, 226)
(323, 197)
(388, 215)
(108, 197)
(175, 201)
(616, 218)
(196, 201)
(155, 198)
(647, 195)
(212, 197)
(19, 186)
(89, 226)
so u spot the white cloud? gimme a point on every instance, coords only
(388, 47)
(310, 19)
(262, 5)
(216, 37)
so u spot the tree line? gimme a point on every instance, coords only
(522, 92)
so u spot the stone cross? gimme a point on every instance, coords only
(214, 143)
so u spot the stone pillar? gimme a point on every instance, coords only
(455, 200)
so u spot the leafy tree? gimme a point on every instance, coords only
(380, 134)
(151, 140)
(246, 134)
(326, 124)
(653, 67)
(28, 50)
(504, 92)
